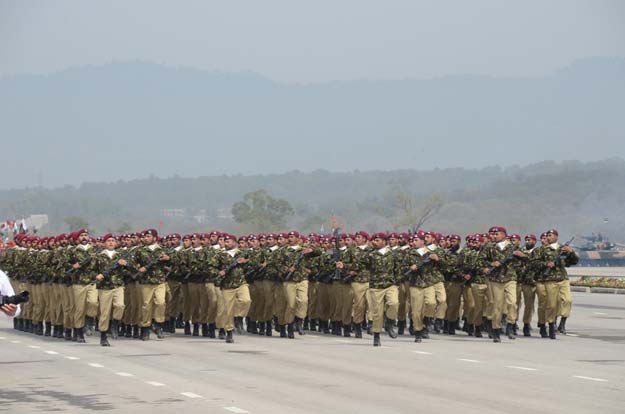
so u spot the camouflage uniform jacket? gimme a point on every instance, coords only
(382, 265)
(148, 257)
(550, 253)
(417, 278)
(79, 254)
(104, 261)
(236, 277)
(354, 260)
(453, 266)
(272, 255)
(469, 265)
(499, 252)
(527, 271)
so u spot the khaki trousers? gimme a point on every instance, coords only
(238, 298)
(420, 299)
(39, 302)
(480, 303)
(211, 293)
(198, 303)
(558, 300)
(312, 300)
(48, 294)
(382, 301)
(279, 303)
(344, 303)
(27, 308)
(256, 301)
(541, 296)
(332, 301)
(129, 291)
(67, 294)
(454, 298)
(56, 301)
(323, 301)
(527, 295)
(85, 302)
(296, 300)
(175, 304)
(504, 300)
(402, 297)
(152, 303)
(111, 304)
(187, 311)
(468, 302)
(359, 308)
(441, 301)
(266, 289)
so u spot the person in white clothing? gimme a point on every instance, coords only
(7, 290)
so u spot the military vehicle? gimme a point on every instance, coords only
(598, 250)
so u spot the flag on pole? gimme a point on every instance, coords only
(333, 221)
(322, 230)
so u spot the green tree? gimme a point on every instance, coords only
(262, 212)
(76, 223)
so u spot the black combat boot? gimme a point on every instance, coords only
(347, 330)
(229, 338)
(465, 326)
(391, 328)
(438, 326)
(159, 330)
(145, 333)
(196, 329)
(81, 336)
(179, 322)
(515, 329)
(211, 330)
(369, 327)
(299, 325)
(205, 330)
(469, 328)
(268, 329)
(252, 327)
(418, 337)
(39, 329)
(488, 326)
(445, 326)
(89, 324)
(376, 339)
(103, 340)
(260, 328)
(282, 330)
(74, 335)
(222, 334)
(552, 330)
(290, 330)
(276, 326)
(136, 332)
(187, 328)
(411, 328)
(401, 327)
(358, 331)
(425, 332)
(313, 324)
(68, 335)
(323, 326)
(527, 330)
(543, 330)
(30, 326)
(15, 323)
(510, 331)
(48, 329)
(20, 324)
(562, 326)
(306, 324)
(451, 327)
(114, 329)
(248, 323)
(478, 331)
(496, 337)
(238, 325)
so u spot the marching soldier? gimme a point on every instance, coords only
(85, 293)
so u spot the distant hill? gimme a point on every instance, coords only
(573, 196)
(130, 120)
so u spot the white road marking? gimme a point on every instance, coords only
(71, 358)
(236, 410)
(590, 378)
(2, 337)
(343, 341)
(468, 360)
(93, 364)
(570, 334)
(51, 352)
(190, 395)
(16, 342)
(521, 368)
(34, 346)
(600, 313)
(155, 384)
(124, 374)
(422, 352)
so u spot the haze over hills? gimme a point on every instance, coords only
(573, 196)
(130, 120)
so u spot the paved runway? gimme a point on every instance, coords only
(316, 373)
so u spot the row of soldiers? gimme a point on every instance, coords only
(342, 284)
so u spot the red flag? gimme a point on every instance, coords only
(333, 221)
(160, 223)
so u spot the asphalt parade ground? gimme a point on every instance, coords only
(583, 372)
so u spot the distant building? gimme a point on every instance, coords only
(36, 221)
(224, 213)
(173, 212)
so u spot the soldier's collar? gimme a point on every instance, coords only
(296, 247)
(422, 250)
(84, 247)
(384, 250)
(503, 244)
(432, 247)
(274, 248)
(154, 246)
(554, 246)
(233, 252)
(363, 246)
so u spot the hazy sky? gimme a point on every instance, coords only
(295, 41)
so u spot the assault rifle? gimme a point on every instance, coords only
(253, 274)
(413, 273)
(111, 268)
(148, 266)
(336, 254)
(558, 259)
(71, 272)
(289, 275)
(503, 262)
